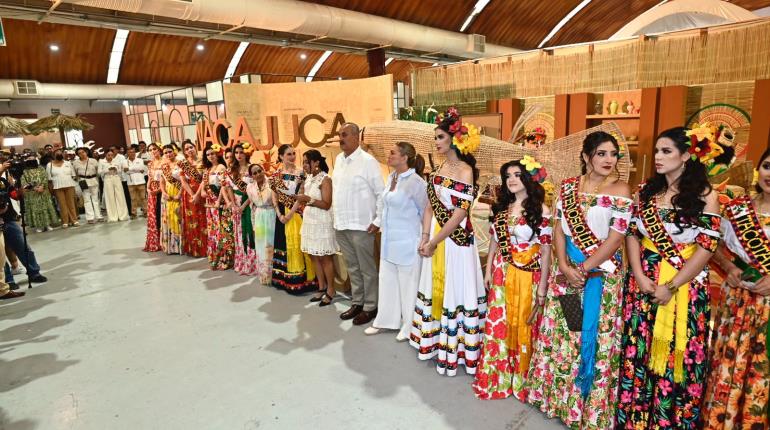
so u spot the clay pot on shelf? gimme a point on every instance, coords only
(613, 107)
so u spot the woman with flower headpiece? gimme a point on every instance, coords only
(666, 302)
(152, 240)
(574, 368)
(520, 245)
(238, 180)
(292, 269)
(219, 248)
(739, 382)
(193, 210)
(170, 203)
(451, 301)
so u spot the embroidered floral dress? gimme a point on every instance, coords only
(507, 341)
(220, 244)
(451, 302)
(152, 239)
(245, 261)
(38, 207)
(292, 269)
(171, 212)
(555, 366)
(738, 384)
(647, 400)
(194, 238)
(263, 220)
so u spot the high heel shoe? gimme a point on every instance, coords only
(326, 300)
(318, 298)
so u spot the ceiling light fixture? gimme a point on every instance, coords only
(477, 8)
(388, 61)
(54, 47)
(236, 59)
(317, 66)
(564, 22)
(200, 47)
(303, 56)
(116, 56)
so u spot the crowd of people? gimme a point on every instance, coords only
(596, 309)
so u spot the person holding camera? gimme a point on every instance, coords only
(13, 237)
(39, 212)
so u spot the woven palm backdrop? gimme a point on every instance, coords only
(12, 127)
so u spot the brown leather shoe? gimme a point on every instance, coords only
(352, 312)
(365, 317)
(12, 295)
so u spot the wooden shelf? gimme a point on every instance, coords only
(618, 116)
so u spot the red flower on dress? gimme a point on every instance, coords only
(492, 349)
(500, 330)
(495, 313)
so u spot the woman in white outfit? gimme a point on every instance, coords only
(400, 211)
(318, 239)
(110, 169)
(87, 173)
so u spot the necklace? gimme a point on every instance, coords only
(584, 182)
(761, 204)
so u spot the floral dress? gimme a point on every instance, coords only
(171, 212)
(292, 269)
(194, 238)
(553, 376)
(451, 299)
(220, 246)
(739, 381)
(38, 207)
(245, 261)
(647, 399)
(152, 240)
(263, 220)
(507, 342)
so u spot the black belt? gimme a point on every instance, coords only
(88, 177)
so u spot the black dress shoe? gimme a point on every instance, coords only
(365, 317)
(13, 286)
(352, 312)
(38, 279)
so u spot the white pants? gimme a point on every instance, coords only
(91, 202)
(114, 199)
(397, 295)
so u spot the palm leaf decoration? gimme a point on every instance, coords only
(61, 123)
(12, 127)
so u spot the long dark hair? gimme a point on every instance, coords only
(413, 159)
(591, 143)
(282, 150)
(314, 155)
(468, 159)
(206, 163)
(532, 206)
(692, 186)
(765, 154)
(235, 168)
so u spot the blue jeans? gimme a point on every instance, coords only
(14, 240)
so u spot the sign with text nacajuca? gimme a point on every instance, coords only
(300, 114)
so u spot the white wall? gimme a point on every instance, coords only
(43, 108)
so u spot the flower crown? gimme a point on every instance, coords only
(465, 137)
(248, 148)
(534, 168)
(217, 149)
(706, 140)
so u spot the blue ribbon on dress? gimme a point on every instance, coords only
(592, 298)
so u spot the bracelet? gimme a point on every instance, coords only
(582, 269)
(671, 287)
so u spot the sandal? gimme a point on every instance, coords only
(326, 300)
(318, 298)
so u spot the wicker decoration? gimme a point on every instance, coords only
(543, 121)
(12, 127)
(560, 157)
(740, 175)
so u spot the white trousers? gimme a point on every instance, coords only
(397, 295)
(114, 199)
(91, 203)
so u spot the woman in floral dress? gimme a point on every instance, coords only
(170, 204)
(520, 245)
(220, 247)
(574, 368)
(263, 222)
(292, 269)
(666, 302)
(39, 212)
(451, 300)
(152, 241)
(193, 209)
(238, 180)
(739, 383)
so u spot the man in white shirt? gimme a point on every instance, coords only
(136, 183)
(357, 186)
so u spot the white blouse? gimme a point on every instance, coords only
(61, 176)
(602, 213)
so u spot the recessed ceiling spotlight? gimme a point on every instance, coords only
(303, 56)
(200, 47)
(339, 78)
(54, 47)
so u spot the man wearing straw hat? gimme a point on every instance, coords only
(357, 188)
